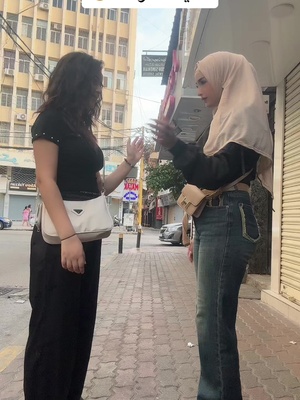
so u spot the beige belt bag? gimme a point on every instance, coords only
(193, 200)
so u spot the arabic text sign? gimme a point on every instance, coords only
(150, 4)
(153, 65)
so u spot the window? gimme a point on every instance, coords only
(51, 65)
(121, 81)
(118, 144)
(55, 33)
(40, 67)
(123, 47)
(19, 134)
(57, 3)
(95, 12)
(22, 95)
(41, 29)
(106, 113)
(83, 37)
(9, 59)
(110, 44)
(83, 10)
(108, 77)
(71, 5)
(36, 100)
(104, 142)
(124, 17)
(69, 36)
(24, 63)
(93, 44)
(100, 43)
(12, 21)
(4, 132)
(27, 26)
(6, 96)
(112, 14)
(119, 114)
(102, 11)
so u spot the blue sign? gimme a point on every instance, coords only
(130, 196)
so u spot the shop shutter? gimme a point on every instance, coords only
(290, 245)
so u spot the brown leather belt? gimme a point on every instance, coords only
(239, 186)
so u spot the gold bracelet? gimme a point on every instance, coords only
(127, 162)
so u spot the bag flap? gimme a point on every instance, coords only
(192, 194)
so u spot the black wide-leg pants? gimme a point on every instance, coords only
(62, 322)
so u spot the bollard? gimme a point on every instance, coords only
(138, 239)
(120, 243)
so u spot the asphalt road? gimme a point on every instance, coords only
(15, 246)
(14, 276)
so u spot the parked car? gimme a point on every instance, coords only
(171, 233)
(5, 223)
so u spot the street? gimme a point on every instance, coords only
(14, 273)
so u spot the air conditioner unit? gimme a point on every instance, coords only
(44, 6)
(107, 122)
(21, 117)
(56, 27)
(9, 71)
(39, 77)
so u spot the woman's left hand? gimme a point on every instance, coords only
(135, 150)
(164, 133)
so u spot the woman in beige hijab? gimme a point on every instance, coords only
(226, 232)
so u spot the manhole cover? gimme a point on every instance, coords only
(9, 290)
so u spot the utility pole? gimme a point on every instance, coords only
(140, 199)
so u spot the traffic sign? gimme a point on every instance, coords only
(130, 196)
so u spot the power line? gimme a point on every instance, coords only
(28, 8)
(8, 30)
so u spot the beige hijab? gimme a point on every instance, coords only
(240, 116)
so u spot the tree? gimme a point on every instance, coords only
(164, 177)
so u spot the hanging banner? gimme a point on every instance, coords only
(158, 212)
(153, 65)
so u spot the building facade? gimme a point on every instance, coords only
(266, 32)
(33, 37)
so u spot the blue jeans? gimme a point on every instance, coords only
(225, 237)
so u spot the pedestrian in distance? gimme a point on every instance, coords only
(29, 211)
(226, 232)
(64, 278)
(25, 216)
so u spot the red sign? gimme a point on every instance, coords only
(158, 212)
(131, 184)
(169, 100)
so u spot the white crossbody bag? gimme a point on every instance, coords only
(90, 219)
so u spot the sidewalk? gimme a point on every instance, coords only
(144, 324)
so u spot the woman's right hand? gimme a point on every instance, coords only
(72, 255)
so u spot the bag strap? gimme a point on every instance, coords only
(230, 185)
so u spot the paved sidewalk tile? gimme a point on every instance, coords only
(144, 323)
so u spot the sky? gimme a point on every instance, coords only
(153, 33)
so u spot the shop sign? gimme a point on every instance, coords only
(153, 65)
(24, 187)
(169, 99)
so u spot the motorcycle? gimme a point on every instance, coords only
(117, 221)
